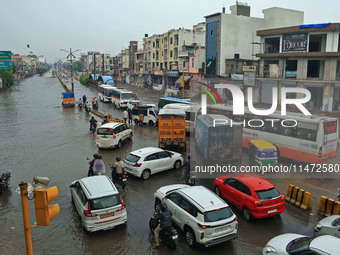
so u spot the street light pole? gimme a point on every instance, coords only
(71, 56)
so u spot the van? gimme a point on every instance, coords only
(150, 115)
(112, 135)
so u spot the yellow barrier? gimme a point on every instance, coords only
(328, 206)
(299, 197)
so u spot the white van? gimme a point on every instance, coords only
(150, 115)
(112, 135)
(191, 111)
(101, 89)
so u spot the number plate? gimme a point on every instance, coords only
(217, 230)
(106, 215)
(175, 237)
(124, 180)
(272, 211)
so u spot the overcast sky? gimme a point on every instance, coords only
(108, 25)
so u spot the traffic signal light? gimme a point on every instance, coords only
(44, 212)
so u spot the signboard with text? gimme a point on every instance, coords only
(5, 55)
(294, 42)
(249, 79)
(6, 64)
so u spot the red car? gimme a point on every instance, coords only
(254, 196)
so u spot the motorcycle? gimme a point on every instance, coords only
(168, 236)
(191, 180)
(80, 105)
(87, 109)
(4, 181)
(93, 128)
(95, 106)
(121, 178)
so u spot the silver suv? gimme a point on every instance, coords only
(203, 217)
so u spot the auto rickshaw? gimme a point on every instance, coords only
(262, 153)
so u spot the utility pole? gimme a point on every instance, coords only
(94, 67)
(71, 56)
(103, 70)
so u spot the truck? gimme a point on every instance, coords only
(68, 99)
(150, 115)
(217, 140)
(171, 128)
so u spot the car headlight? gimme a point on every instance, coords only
(268, 249)
(318, 227)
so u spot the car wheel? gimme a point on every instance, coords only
(130, 137)
(120, 143)
(190, 237)
(246, 214)
(151, 123)
(146, 174)
(218, 191)
(158, 206)
(177, 164)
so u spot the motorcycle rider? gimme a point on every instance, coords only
(80, 102)
(91, 163)
(99, 166)
(84, 99)
(165, 222)
(94, 103)
(87, 107)
(118, 169)
(105, 120)
(93, 122)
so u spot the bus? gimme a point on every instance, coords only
(101, 89)
(313, 140)
(170, 100)
(191, 111)
(120, 97)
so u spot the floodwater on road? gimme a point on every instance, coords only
(41, 138)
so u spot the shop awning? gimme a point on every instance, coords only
(186, 78)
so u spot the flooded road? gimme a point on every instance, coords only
(41, 138)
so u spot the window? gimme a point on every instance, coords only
(231, 182)
(211, 32)
(81, 195)
(132, 158)
(170, 40)
(268, 194)
(192, 63)
(105, 131)
(171, 54)
(217, 215)
(189, 208)
(104, 202)
(243, 188)
(151, 157)
(175, 198)
(164, 154)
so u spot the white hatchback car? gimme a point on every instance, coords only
(203, 216)
(150, 160)
(328, 226)
(112, 135)
(98, 203)
(287, 244)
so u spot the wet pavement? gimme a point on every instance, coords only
(41, 138)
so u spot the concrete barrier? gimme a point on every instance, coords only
(328, 206)
(299, 197)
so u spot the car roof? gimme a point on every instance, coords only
(262, 144)
(254, 181)
(203, 197)
(329, 220)
(145, 151)
(111, 125)
(98, 186)
(326, 243)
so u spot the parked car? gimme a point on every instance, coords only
(254, 196)
(150, 160)
(133, 104)
(203, 217)
(112, 135)
(299, 244)
(98, 203)
(328, 226)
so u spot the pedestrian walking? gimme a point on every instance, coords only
(125, 115)
(130, 117)
(84, 99)
(141, 119)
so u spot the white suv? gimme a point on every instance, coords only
(98, 203)
(112, 135)
(204, 217)
(150, 160)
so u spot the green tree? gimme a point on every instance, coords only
(84, 80)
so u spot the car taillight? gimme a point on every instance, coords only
(123, 205)
(203, 226)
(88, 213)
(257, 203)
(114, 136)
(283, 197)
(96, 136)
(234, 219)
(138, 164)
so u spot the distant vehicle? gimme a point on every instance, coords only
(98, 203)
(254, 196)
(328, 226)
(191, 112)
(150, 160)
(262, 153)
(133, 104)
(112, 135)
(4, 181)
(203, 217)
(170, 100)
(120, 97)
(68, 99)
(171, 128)
(218, 142)
(101, 92)
(150, 115)
(295, 244)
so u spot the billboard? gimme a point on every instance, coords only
(294, 42)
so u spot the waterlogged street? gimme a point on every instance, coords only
(41, 138)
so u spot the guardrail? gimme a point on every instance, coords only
(62, 83)
(328, 206)
(299, 197)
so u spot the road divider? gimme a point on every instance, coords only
(299, 197)
(328, 206)
(64, 85)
